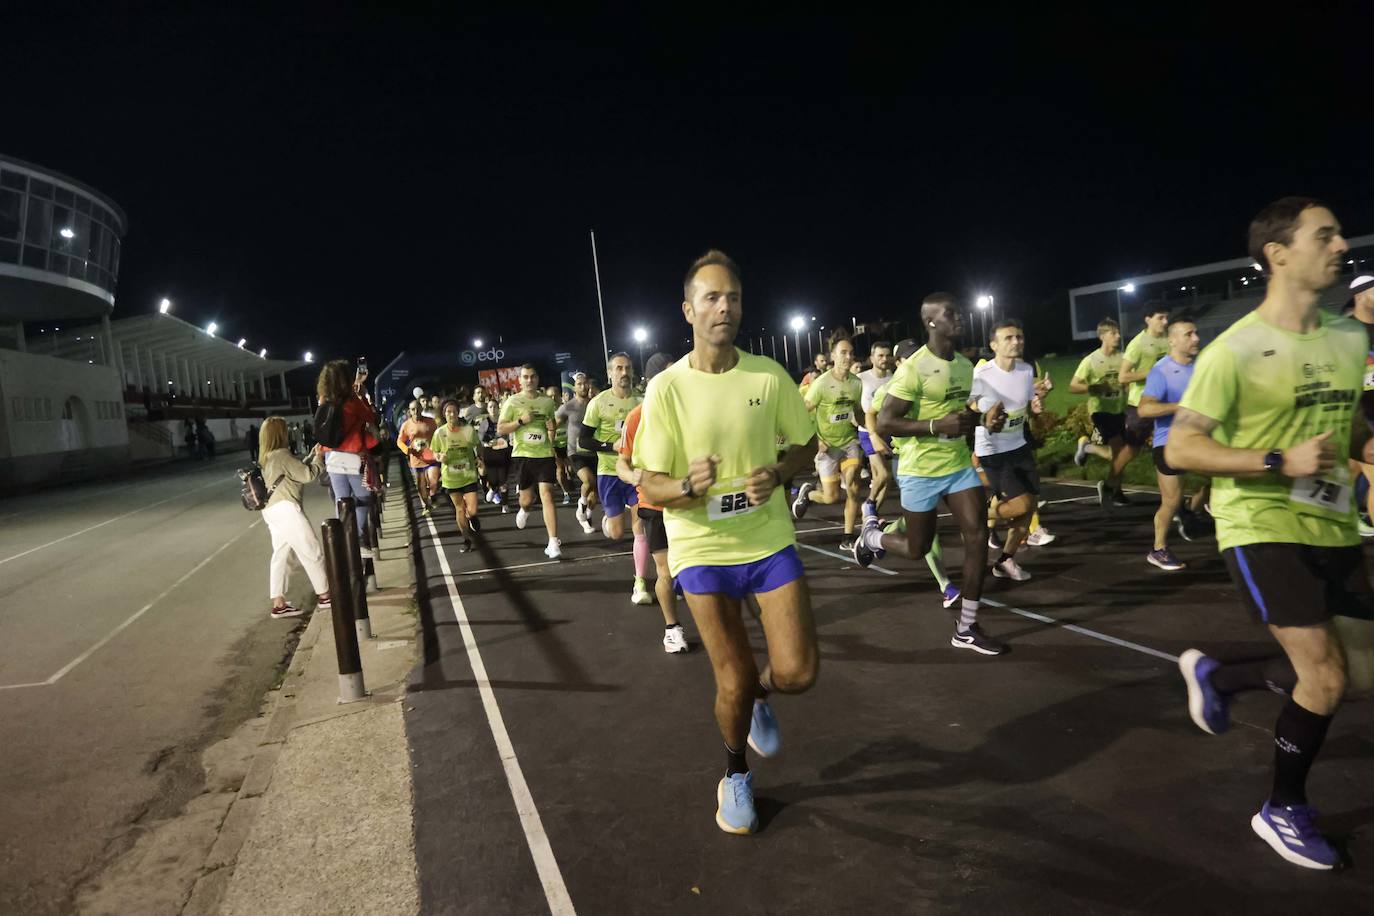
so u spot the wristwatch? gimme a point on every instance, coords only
(687, 487)
(1273, 461)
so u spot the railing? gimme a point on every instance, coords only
(154, 432)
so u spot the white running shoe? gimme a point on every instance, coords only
(491, 495)
(586, 526)
(582, 513)
(522, 518)
(1008, 569)
(567, 500)
(1040, 537)
(640, 594)
(554, 550)
(674, 640)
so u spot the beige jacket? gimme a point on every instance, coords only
(292, 471)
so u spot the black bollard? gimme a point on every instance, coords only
(351, 687)
(347, 512)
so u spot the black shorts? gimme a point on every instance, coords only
(1138, 429)
(1109, 425)
(1010, 474)
(583, 460)
(497, 457)
(1294, 585)
(470, 488)
(531, 471)
(1161, 465)
(653, 525)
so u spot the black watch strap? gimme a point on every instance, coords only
(687, 487)
(1273, 461)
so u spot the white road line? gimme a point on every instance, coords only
(1124, 643)
(66, 669)
(555, 891)
(213, 483)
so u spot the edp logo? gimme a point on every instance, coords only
(471, 357)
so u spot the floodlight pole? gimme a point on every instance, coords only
(600, 307)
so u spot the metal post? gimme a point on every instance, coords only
(351, 687)
(357, 582)
(600, 307)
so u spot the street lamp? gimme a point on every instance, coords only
(477, 343)
(164, 306)
(211, 329)
(262, 354)
(242, 341)
(797, 324)
(1126, 288)
(309, 357)
(641, 335)
(984, 303)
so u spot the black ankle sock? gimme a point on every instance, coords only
(1274, 674)
(1001, 555)
(735, 762)
(1298, 736)
(764, 690)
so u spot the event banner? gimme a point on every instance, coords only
(499, 381)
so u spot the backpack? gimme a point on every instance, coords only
(255, 493)
(329, 422)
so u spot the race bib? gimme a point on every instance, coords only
(534, 436)
(1015, 420)
(1322, 493)
(620, 425)
(839, 417)
(728, 500)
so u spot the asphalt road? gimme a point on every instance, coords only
(564, 763)
(133, 631)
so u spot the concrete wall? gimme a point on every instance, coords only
(229, 436)
(35, 393)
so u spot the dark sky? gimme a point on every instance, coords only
(367, 180)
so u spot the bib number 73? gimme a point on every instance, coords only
(1322, 493)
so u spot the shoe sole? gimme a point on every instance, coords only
(683, 651)
(1162, 565)
(956, 643)
(1276, 843)
(720, 818)
(998, 574)
(642, 600)
(521, 524)
(1187, 665)
(949, 602)
(286, 616)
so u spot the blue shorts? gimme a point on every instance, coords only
(866, 442)
(615, 494)
(922, 494)
(743, 579)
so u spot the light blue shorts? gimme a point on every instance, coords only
(922, 494)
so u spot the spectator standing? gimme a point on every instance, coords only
(286, 521)
(345, 463)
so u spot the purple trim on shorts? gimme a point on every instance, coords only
(615, 494)
(743, 579)
(866, 442)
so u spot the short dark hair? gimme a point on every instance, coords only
(939, 298)
(529, 366)
(1155, 308)
(1001, 323)
(879, 345)
(714, 256)
(836, 336)
(1108, 324)
(616, 355)
(1275, 223)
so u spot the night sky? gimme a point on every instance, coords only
(365, 181)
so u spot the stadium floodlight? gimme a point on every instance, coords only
(66, 232)
(477, 342)
(164, 306)
(242, 341)
(1128, 288)
(262, 354)
(309, 357)
(640, 335)
(984, 301)
(797, 322)
(211, 329)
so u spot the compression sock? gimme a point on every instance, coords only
(1298, 736)
(642, 555)
(1274, 674)
(735, 762)
(968, 613)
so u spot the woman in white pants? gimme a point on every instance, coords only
(291, 530)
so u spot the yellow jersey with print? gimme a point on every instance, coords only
(740, 416)
(1270, 389)
(935, 387)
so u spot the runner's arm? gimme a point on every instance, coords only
(587, 439)
(1192, 448)
(1128, 373)
(627, 472)
(893, 421)
(1152, 407)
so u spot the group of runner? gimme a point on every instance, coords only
(1271, 412)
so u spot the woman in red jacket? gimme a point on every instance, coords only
(344, 463)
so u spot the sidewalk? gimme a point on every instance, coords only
(322, 822)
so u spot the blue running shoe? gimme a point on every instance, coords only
(1292, 832)
(868, 544)
(735, 804)
(951, 595)
(1209, 708)
(764, 736)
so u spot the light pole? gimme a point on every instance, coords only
(1126, 288)
(640, 336)
(984, 303)
(797, 324)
